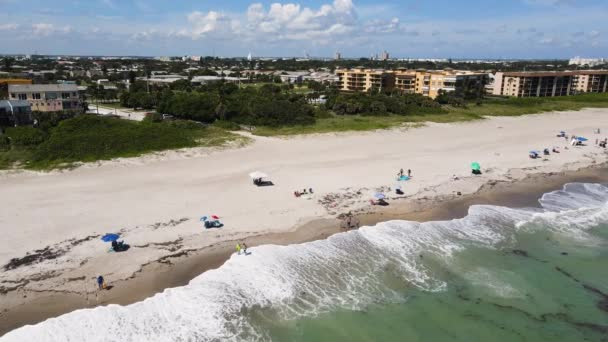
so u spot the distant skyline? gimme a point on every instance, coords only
(407, 28)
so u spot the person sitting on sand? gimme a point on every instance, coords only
(310, 191)
(454, 177)
(304, 192)
(296, 193)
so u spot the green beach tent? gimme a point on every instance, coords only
(475, 166)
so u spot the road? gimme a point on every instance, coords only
(122, 112)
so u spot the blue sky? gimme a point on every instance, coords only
(356, 28)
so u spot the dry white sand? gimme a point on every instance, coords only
(156, 202)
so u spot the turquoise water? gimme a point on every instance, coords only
(511, 294)
(499, 274)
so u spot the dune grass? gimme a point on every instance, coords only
(90, 138)
(489, 107)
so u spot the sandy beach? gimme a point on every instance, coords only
(52, 223)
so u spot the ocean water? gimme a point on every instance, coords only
(499, 274)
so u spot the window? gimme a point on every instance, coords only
(36, 96)
(23, 97)
(14, 96)
(51, 96)
(65, 95)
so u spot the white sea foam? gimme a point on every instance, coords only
(346, 271)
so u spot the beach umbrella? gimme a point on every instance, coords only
(535, 152)
(215, 217)
(475, 166)
(581, 139)
(204, 218)
(110, 237)
(379, 195)
(258, 175)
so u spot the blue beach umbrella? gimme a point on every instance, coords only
(379, 195)
(110, 237)
(581, 139)
(204, 218)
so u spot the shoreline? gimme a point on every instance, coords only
(169, 272)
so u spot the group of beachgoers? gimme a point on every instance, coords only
(298, 193)
(401, 174)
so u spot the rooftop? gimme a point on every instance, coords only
(41, 87)
(555, 73)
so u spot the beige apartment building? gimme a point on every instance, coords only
(591, 82)
(426, 82)
(48, 97)
(360, 79)
(548, 84)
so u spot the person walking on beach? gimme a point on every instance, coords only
(401, 173)
(238, 249)
(409, 173)
(101, 284)
(244, 247)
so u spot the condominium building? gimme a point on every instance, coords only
(591, 82)
(360, 79)
(431, 82)
(48, 97)
(426, 82)
(548, 84)
(405, 80)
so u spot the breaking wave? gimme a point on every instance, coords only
(346, 271)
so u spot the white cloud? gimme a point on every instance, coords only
(43, 29)
(46, 29)
(289, 21)
(8, 27)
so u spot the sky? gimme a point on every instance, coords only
(320, 28)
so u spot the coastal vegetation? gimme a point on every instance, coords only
(364, 120)
(89, 138)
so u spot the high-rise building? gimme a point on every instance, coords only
(338, 56)
(384, 56)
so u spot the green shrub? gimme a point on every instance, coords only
(322, 113)
(5, 143)
(227, 125)
(90, 138)
(185, 124)
(153, 117)
(25, 136)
